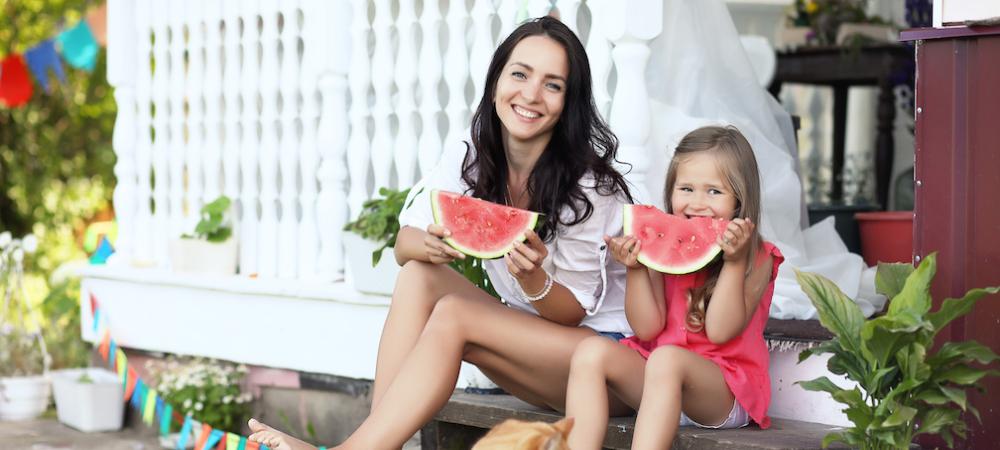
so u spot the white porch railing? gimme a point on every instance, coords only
(299, 110)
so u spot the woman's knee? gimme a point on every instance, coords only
(450, 315)
(665, 362)
(592, 354)
(416, 280)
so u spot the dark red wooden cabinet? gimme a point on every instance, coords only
(957, 171)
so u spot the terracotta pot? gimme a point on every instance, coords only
(886, 236)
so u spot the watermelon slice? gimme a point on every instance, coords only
(480, 228)
(673, 244)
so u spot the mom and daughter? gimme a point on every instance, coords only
(581, 327)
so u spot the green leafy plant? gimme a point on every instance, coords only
(903, 389)
(212, 226)
(207, 389)
(379, 220)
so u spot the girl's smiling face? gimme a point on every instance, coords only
(531, 90)
(701, 189)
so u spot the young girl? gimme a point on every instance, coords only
(698, 356)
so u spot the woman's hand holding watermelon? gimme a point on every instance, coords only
(524, 262)
(625, 250)
(735, 241)
(438, 252)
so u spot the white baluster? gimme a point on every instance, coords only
(382, 74)
(482, 48)
(507, 12)
(288, 227)
(175, 97)
(231, 97)
(538, 8)
(457, 62)
(599, 54)
(212, 98)
(334, 46)
(267, 244)
(306, 232)
(406, 81)
(630, 25)
(144, 143)
(161, 148)
(568, 14)
(196, 132)
(359, 79)
(122, 56)
(250, 142)
(429, 147)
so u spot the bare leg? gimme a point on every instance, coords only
(676, 378)
(528, 352)
(419, 286)
(606, 379)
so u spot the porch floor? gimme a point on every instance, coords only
(49, 434)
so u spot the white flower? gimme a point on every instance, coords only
(5, 238)
(18, 256)
(199, 406)
(29, 243)
(227, 399)
(187, 403)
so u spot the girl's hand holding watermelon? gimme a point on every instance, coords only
(736, 239)
(438, 252)
(625, 250)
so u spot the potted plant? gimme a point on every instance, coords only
(904, 389)
(212, 249)
(89, 399)
(24, 362)
(370, 235)
(208, 390)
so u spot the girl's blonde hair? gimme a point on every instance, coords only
(738, 166)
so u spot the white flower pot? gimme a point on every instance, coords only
(94, 406)
(379, 280)
(23, 398)
(200, 256)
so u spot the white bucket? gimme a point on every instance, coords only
(89, 406)
(23, 398)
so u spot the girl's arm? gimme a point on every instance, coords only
(736, 294)
(644, 307)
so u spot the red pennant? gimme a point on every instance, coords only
(178, 418)
(251, 445)
(15, 85)
(130, 379)
(222, 443)
(105, 345)
(206, 430)
(93, 304)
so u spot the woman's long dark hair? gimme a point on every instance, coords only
(581, 141)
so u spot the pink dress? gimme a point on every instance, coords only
(743, 359)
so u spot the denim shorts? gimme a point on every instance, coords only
(613, 335)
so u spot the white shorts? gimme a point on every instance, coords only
(738, 418)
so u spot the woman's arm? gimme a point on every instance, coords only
(524, 262)
(415, 244)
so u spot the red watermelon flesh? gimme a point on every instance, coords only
(480, 228)
(673, 244)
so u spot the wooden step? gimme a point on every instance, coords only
(467, 417)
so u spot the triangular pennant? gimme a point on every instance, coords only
(150, 408)
(103, 252)
(122, 364)
(232, 441)
(15, 84)
(206, 431)
(185, 434)
(97, 319)
(105, 346)
(41, 58)
(251, 445)
(93, 303)
(97, 20)
(243, 443)
(79, 47)
(214, 437)
(112, 353)
(165, 417)
(220, 444)
(138, 393)
(130, 382)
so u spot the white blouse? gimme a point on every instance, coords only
(578, 258)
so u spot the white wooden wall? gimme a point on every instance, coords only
(298, 110)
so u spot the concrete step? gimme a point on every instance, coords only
(467, 417)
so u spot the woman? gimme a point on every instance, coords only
(538, 143)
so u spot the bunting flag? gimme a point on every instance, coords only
(41, 58)
(15, 87)
(147, 401)
(79, 47)
(97, 20)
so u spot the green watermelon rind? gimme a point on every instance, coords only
(438, 219)
(693, 266)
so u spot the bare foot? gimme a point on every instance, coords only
(274, 439)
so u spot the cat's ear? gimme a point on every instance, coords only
(564, 426)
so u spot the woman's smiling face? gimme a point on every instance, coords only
(531, 90)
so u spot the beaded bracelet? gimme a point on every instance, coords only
(540, 295)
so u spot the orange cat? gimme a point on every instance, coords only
(519, 435)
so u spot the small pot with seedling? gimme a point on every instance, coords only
(373, 232)
(212, 248)
(89, 399)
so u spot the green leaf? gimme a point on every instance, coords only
(935, 420)
(899, 416)
(217, 206)
(834, 437)
(932, 396)
(220, 235)
(831, 346)
(821, 384)
(956, 395)
(954, 308)
(911, 362)
(963, 375)
(915, 297)
(881, 339)
(891, 277)
(962, 351)
(837, 312)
